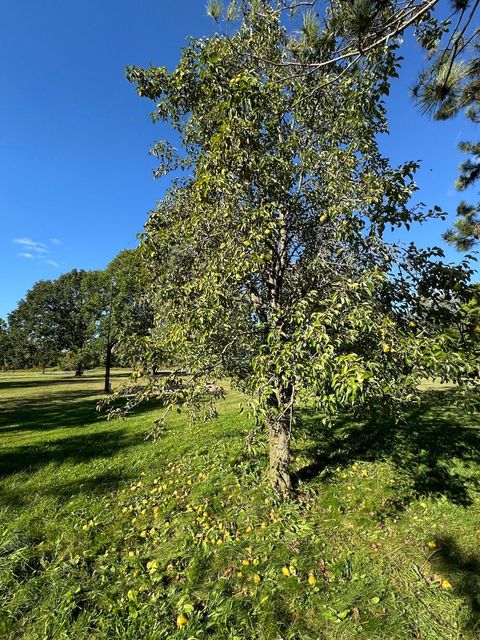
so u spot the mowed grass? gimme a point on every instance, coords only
(104, 534)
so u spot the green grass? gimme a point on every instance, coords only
(106, 535)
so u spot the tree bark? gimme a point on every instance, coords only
(279, 432)
(108, 362)
(279, 440)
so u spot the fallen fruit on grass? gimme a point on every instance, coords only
(181, 620)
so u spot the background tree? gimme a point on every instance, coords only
(65, 321)
(75, 315)
(466, 325)
(56, 321)
(267, 259)
(34, 327)
(5, 346)
(451, 84)
(126, 313)
(132, 312)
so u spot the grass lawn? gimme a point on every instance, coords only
(106, 535)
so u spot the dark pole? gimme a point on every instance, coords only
(108, 359)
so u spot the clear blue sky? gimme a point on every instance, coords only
(75, 176)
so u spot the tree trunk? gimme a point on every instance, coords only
(79, 370)
(108, 361)
(279, 441)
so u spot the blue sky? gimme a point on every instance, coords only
(75, 176)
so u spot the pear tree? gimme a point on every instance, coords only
(271, 261)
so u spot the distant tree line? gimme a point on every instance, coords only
(75, 321)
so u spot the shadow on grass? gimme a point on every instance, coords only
(77, 449)
(425, 449)
(48, 380)
(56, 410)
(96, 484)
(53, 411)
(93, 447)
(92, 436)
(464, 572)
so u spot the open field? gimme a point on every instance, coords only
(106, 535)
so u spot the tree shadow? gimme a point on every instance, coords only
(463, 570)
(50, 418)
(423, 448)
(45, 382)
(57, 410)
(52, 379)
(77, 449)
(97, 484)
